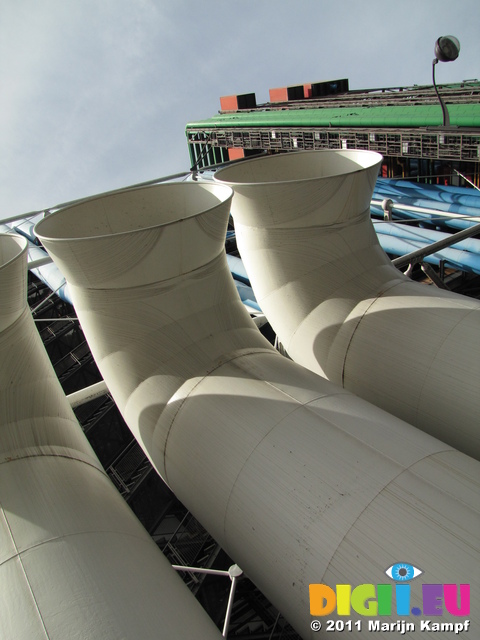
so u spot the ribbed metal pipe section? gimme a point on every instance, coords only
(74, 560)
(338, 305)
(300, 481)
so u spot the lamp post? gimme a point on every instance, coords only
(447, 49)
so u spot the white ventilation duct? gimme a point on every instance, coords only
(300, 481)
(74, 560)
(339, 306)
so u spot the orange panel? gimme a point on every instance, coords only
(242, 101)
(228, 103)
(278, 95)
(236, 153)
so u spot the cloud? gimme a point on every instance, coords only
(96, 95)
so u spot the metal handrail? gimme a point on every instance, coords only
(419, 254)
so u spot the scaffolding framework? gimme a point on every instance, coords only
(211, 147)
(240, 133)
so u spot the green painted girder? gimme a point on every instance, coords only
(461, 115)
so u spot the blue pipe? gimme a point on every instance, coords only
(457, 200)
(462, 260)
(237, 269)
(442, 193)
(242, 282)
(425, 217)
(25, 228)
(247, 296)
(439, 205)
(427, 236)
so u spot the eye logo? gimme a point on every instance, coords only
(377, 600)
(403, 572)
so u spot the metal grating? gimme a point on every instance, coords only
(402, 143)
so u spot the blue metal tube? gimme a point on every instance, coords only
(246, 295)
(438, 193)
(432, 218)
(237, 269)
(427, 236)
(462, 260)
(455, 200)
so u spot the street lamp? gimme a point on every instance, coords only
(447, 49)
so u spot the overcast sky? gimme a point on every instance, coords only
(95, 94)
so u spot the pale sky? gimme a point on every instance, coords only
(95, 94)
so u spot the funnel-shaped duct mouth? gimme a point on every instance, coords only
(148, 277)
(316, 187)
(12, 248)
(119, 240)
(289, 473)
(29, 389)
(74, 560)
(296, 167)
(304, 234)
(13, 282)
(339, 306)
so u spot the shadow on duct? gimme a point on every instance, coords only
(299, 480)
(339, 306)
(74, 560)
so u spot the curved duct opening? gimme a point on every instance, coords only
(10, 250)
(307, 166)
(13, 283)
(300, 481)
(74, 560)
(339, 306)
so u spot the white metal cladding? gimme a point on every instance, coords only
(299, 480)
(339, 306)
(74, 560)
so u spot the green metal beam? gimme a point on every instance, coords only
(461, 115)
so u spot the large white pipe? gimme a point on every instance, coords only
(74, 560)
(299, 480)
(338, 305)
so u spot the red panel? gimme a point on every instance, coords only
(236, 153)
(307, 90)
(228, 103)
(278, 95)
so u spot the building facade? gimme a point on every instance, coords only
(404, 124)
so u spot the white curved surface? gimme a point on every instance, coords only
(74, 560)
(339, 306)
(300, 481)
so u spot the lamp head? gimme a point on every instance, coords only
(447, 48)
